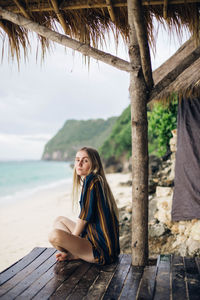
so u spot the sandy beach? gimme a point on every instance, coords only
(26, 224)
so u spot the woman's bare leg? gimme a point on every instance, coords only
(77, 246)
(64, 223)
(67, 225)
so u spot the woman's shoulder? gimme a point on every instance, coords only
(92, 179)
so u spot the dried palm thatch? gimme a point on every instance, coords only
(187, 84)
(89, 21)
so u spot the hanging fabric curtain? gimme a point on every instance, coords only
(186, 199)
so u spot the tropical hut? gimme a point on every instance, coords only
(81, 25)
(186, 196)
(187, 83)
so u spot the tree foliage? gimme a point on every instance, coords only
(113, 136)
(119, 141)
(162, 120)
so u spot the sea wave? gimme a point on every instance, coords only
(23, 194)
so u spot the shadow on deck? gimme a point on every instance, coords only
(38, 276)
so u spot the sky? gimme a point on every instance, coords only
(37, 99)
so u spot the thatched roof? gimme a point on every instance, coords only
(188, 82)
(88, 21)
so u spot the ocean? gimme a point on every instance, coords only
(18, 179)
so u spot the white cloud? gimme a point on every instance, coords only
(38, 99)
(22, 146)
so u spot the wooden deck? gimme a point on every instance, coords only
(38, 276)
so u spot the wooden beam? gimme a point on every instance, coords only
(22, 9)
(165, 9)
(60, 16)
(141, 32)
(138, 95)
(175, 72)
(68, 42)
(84, 5)
(111, 10)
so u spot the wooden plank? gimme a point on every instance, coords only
(37, 279)
(37, 285)
(56, 281)
(117, 282)
(53, 284)
(30, 279)
(192, 278)
(33, 291)
(84, 284)
(21, 264)
(68, 286)
(8, 285)
(112, 267)
(98, 288)
(178, 278)
(132, 283)
(147, 286)
(162, 287)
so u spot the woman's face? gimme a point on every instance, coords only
(82, 163)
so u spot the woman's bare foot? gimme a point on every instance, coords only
(62, 256)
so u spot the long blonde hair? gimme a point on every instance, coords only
(96, 168)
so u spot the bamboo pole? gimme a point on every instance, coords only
(76, 5)
(165, 9)
(22, 9)
(60, 16)
(111, 11)
(138, 96)
(68, 42)
(141, 32)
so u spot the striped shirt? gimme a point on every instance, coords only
(102, 228)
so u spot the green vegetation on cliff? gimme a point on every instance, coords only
(112, 137)
(162, 119)
(119, 141)
(76, 134)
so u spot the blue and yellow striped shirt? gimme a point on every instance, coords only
(102, 228)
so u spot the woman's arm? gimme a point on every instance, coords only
(80, 225)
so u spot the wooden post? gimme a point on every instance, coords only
(138, 96)
(141, 33)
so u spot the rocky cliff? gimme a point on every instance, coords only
(76, 134)
(165, 236)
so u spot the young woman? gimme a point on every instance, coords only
(95, 236)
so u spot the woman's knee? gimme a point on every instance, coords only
(58, 220)
(55, 236)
